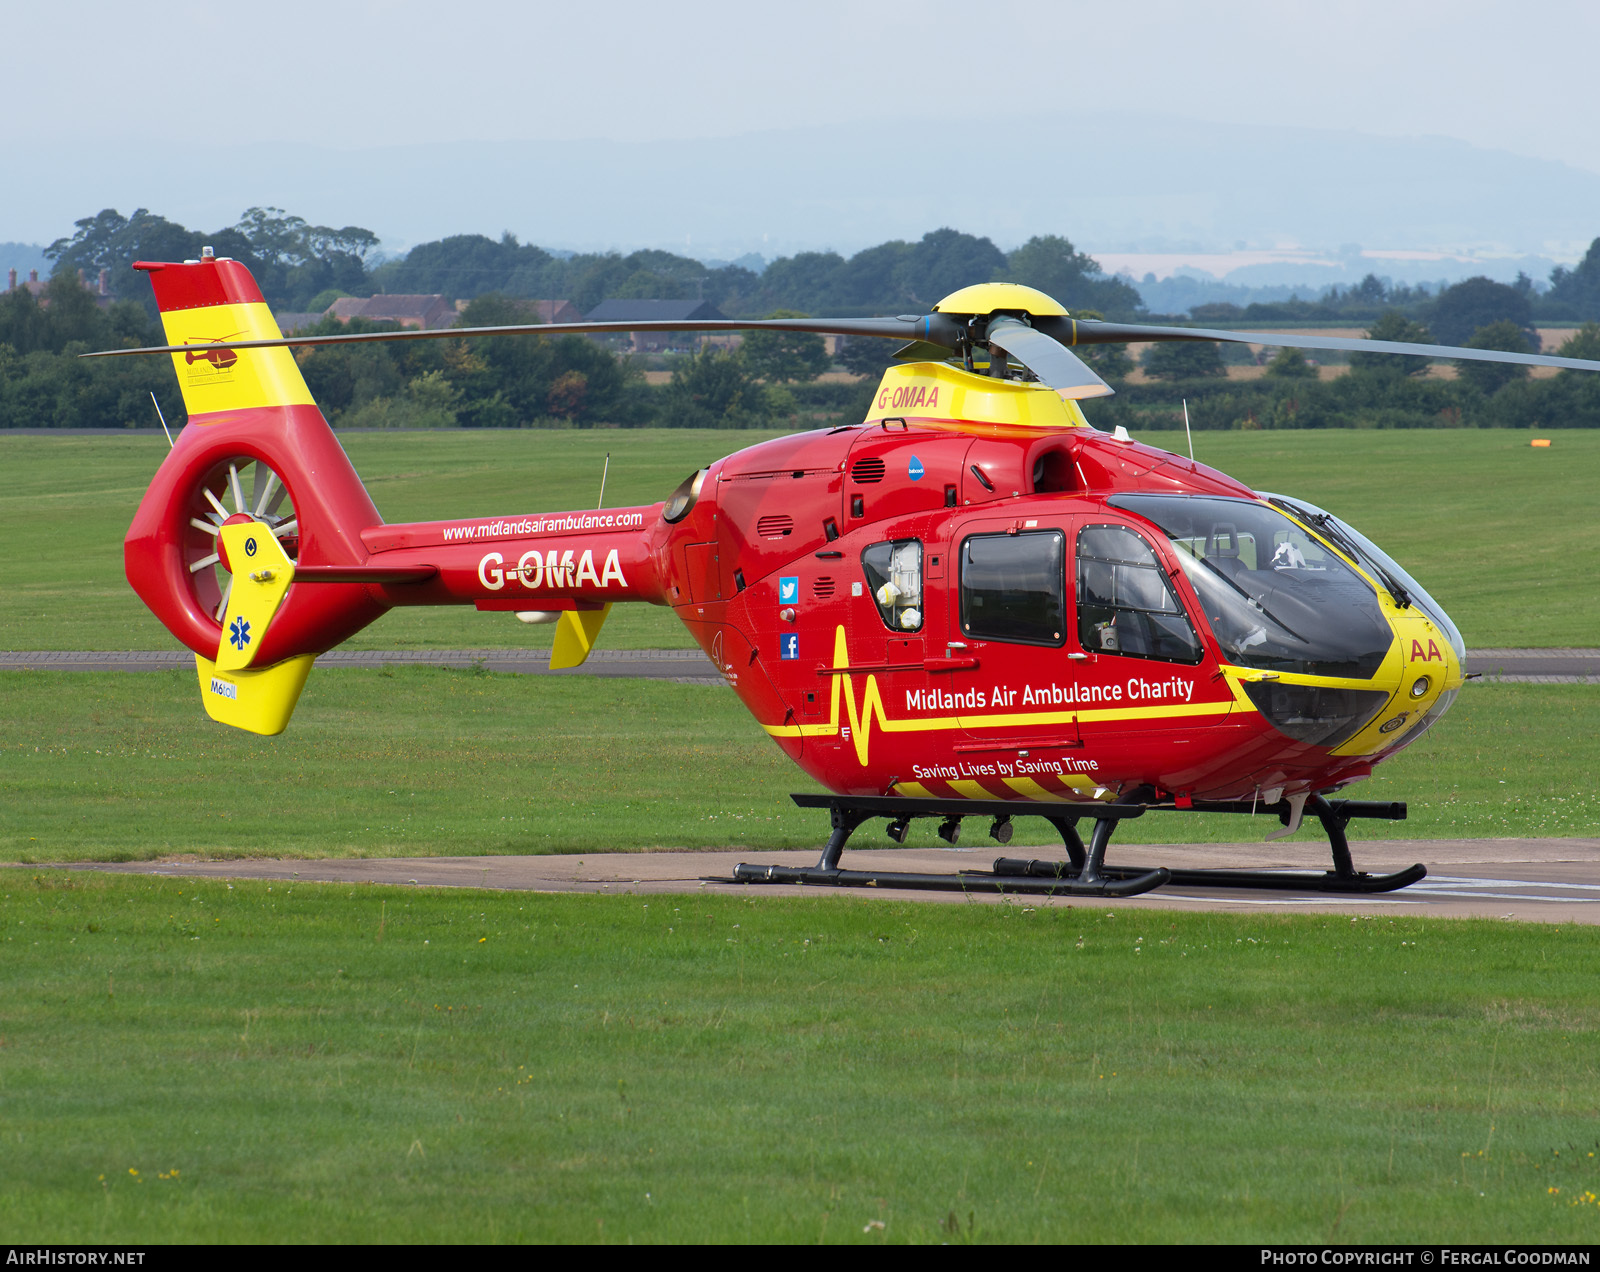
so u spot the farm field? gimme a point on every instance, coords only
(192, 1061)
(1482, 519)
(431, 762)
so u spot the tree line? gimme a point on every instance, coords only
(771, 379)
(1379, 390)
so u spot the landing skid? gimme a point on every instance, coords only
(1085, 873)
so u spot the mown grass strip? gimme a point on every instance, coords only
(1486, 522)
(422, 761)
(190, 1060)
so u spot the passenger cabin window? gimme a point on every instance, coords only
(894, 573)
(1013, 587)
(1125, 601)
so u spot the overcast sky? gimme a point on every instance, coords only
(200, 75)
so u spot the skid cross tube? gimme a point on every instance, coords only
(1085, 872)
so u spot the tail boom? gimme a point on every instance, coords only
(533, 562)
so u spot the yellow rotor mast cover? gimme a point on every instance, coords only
(989, 298)
(257, 700)
(937, 390)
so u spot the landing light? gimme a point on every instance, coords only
(1420, 687)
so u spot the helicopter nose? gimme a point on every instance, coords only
(1423, 673)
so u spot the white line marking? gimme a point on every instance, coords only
(1467, 881)
(1505, 896)
(1340, 899)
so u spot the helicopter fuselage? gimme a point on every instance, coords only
(940, 608)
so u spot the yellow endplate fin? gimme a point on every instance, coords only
(575, 633)
(261, 576)
(258, 701)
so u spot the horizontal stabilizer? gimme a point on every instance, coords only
(365, 573)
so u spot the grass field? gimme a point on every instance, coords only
(417, 761)
(199, 1061)
(187, 1061)
(1499, 532)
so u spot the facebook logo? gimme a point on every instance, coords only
(789, 644)
(789, 590)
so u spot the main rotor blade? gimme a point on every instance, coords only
(1071, 331)
(937, 329)
(1051, 361)
(942, 330)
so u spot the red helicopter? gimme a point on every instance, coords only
(971, 603)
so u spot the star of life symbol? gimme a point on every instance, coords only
(239, 633)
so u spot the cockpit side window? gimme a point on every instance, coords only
(894, 576)
(1126, 604)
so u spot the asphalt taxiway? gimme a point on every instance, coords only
(1533, 880)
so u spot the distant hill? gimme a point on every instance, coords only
(1110, 184)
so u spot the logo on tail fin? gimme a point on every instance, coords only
(221, 359)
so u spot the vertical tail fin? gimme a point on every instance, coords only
(209, 301)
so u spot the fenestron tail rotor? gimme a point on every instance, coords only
(238, 487)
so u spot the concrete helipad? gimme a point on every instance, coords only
(1539, 880)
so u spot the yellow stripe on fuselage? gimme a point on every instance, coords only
(1026, 786)
(237, 379)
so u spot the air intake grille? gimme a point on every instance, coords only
(865, 472)
(775, 527)
(822, 588)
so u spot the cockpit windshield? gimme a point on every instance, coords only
(1276, 598)
(1405, 589)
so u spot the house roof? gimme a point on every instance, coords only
(422, 311)
(557, 311)
(402, 307)
(653, 311)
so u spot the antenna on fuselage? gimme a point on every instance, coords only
(163, 420)
(1186, 431)
(603, 473)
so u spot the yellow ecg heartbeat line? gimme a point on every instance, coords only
(872, 711)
